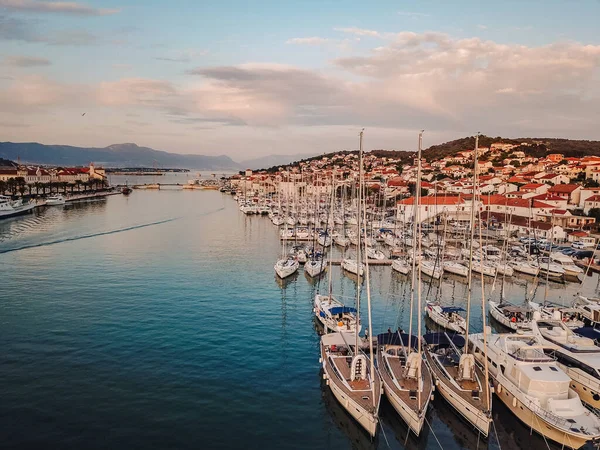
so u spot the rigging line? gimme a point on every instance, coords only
(496, 433)
(384, 435)
(433, 432)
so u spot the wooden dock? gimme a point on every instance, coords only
(372, 262)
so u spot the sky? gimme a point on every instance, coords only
(253, 78)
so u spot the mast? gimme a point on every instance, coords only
(358, 258)
(372, 372)
(472, 226)
(330, 287)
(420, 274)
(416, 231)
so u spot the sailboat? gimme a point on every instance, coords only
(287, 265)
(459, 381)
(350, 374)
(407, 381)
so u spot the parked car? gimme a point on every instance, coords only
(583, 254)
(578, 245)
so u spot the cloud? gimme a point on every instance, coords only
(308, 41)
(27, 30)
(26, 61)
(448, 86)
(71, 37)
(74, 8)
(360, 32)
(182, 56)
(412, 14)
(33, 93)
(482, 27)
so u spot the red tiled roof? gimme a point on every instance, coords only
(593, 198)
(531, 186)
(513, 202)
(435, 200)
(564, 188)
(578, 234)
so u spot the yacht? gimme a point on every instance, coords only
(447, 317)
(431, 269)
(551, 270)
(481, 267)
(511, 316)
(372, 253)
(407, 381)
(351, 265)
(502, 268)
(11, 208)
(286, 267)
(456, 268)
(346, 369)
(577, 356)
(401, 265)
(533, 386)
(525, 267)
(315, 267)
(55, 200)
(566, 262)
(342, 241)
(458, 379)
(334, 316)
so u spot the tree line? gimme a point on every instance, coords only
(20, 186)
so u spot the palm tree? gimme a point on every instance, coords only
(78, 183)
(3, 186)
(37, 185)
(64, 185)
(12, 186)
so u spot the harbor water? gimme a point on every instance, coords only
(156, 321)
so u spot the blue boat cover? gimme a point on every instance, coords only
(396, 338)
(451, 309)
(444, 339)
(342, 310)
(588, 332)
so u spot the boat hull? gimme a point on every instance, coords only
(535, 422)
(368, 421)
(414, 420)
(17, 212)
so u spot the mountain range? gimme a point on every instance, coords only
(132, 155)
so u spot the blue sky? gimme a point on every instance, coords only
(253, 78)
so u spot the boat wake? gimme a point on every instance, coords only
(86, 236)
(102, 233)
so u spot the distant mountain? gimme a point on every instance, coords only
(272, 160)
(118, 155)
(7, 164)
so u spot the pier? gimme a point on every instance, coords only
(371, 262)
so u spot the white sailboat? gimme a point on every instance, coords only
(407, 381)
(349, 372)
(459, 381)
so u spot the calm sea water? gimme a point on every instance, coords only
(155, 321)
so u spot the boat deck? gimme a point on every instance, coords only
(467, 387)
(360, 391)
(409, 387)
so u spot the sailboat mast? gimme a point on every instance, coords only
(331, 243)
(472, 227)
(358, 243)
(372, 372)
(419, 275)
